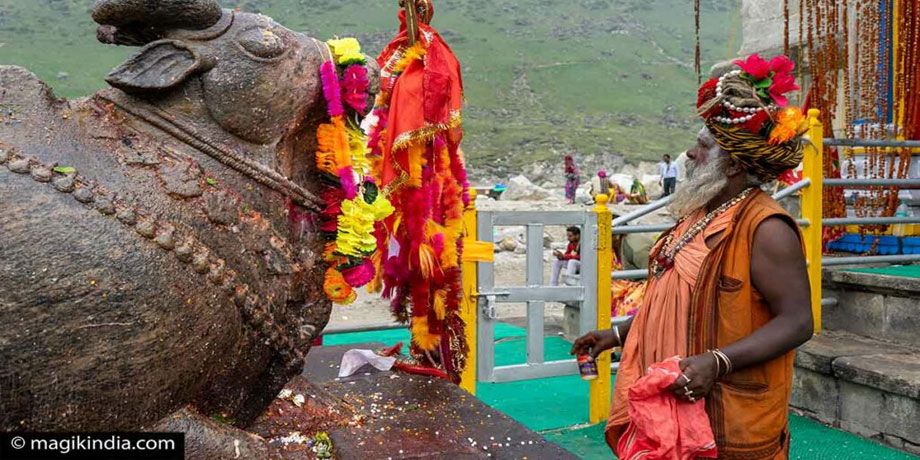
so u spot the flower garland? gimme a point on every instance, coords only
(416, 158)
(353, 202)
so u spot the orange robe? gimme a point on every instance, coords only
(708, 300)
(659, 330)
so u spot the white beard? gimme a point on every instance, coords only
(702, 185)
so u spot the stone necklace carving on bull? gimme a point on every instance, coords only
(176, 239)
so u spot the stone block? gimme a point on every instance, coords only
(571, 319)
(902, 320)
(880, 283)
(815, 395)
(862, 313)
(859, 410)
(892, 373)
(871, 413)
(818, 353)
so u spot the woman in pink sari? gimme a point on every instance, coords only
(571, 179)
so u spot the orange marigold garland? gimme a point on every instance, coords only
(353, 202)
(416, 159)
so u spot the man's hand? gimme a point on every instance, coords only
(699, 375)
(559, 255)
(594, 343)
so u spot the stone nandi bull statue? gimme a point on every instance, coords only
(157, 245)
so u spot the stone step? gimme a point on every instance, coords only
(861, 385)
(873, 305)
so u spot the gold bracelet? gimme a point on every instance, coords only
(616, 332)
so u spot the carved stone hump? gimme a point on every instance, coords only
(159, 14)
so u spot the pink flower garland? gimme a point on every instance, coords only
(356, 83)
(331, 90)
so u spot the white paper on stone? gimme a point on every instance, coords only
(354, 359)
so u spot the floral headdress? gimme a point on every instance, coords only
(747, 112)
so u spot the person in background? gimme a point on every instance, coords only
(571, 259)
(625, 295)
(572, 179)
(637, 193)
(600, 184)
(668, 172)
(617, 195)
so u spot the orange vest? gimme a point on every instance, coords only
(748, 409)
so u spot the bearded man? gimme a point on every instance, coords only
(728, 289)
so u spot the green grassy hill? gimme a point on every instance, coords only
(542, 77)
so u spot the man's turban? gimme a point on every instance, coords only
(746, 112)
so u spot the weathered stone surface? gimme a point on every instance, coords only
(859, 312)
(815, 394)
(419, 417)
(508, 244)
(869, 412)
(20, 166)
(206, 439)
(41, 174)
(520, 188)
(64, 184)
(819, 353)
(763, 26)
(230, 93)
(181, 179)
(83, 195)
(902, 319)
(865, 386)
(221, 208)
(547, 240)
(892, 373)
(885, 283)
(105, 206)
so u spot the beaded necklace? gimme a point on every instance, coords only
(665, 259)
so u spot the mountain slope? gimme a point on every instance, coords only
(542, 77)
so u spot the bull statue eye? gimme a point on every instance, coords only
(261, 43)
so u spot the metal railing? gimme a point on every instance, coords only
(811, 186)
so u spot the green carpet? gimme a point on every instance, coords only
(909, 271)
(584, 442)
(810, 441)
(558, 406)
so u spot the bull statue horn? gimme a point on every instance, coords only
(134, 22)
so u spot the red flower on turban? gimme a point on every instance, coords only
(782, 83)
(755, 66)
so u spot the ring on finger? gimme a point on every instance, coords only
(687, 391)
(688, 379)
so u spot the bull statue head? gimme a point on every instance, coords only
(256, 78)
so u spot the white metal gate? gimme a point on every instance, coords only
(535, 293)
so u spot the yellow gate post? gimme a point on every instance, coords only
(600, 387)
(468, 304)
(812, 209)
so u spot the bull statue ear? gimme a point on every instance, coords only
(158, 66)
